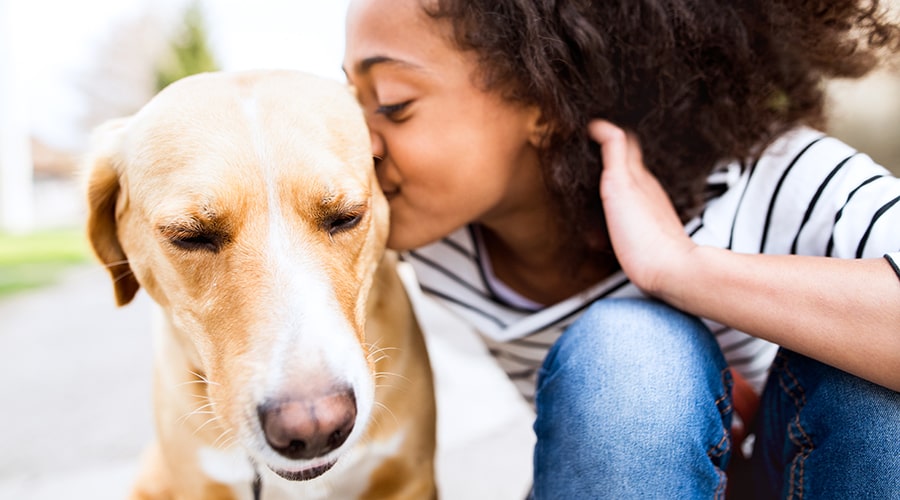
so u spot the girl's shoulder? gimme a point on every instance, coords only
(793, 145)
(807, 193)
(801, 155)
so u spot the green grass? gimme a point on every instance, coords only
(37, 259)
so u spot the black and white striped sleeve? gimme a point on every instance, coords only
(814, 195)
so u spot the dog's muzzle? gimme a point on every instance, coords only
(308, 427)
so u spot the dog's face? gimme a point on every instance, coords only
(246, 205)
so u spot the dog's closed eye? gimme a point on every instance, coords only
(342, 221)
(208, 242)
(195, 237)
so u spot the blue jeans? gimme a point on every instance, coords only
(634, 401)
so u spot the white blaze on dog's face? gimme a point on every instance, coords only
(248, 208)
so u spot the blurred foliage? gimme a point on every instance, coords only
(36, 259)
(189, 53)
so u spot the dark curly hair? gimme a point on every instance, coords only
(699, 81)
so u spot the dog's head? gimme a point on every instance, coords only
(246, 205)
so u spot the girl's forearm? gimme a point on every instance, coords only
(843, 312)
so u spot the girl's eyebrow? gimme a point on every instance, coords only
(366, 64)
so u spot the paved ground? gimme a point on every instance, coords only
(74, 386)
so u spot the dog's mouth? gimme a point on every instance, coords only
(305, 474)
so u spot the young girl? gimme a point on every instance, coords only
(489, 120)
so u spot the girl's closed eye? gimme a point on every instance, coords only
(394, 112)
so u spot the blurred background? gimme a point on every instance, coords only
(74, 370)
(66, 67)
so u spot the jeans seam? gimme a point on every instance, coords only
(720, 401)
(722, 487)
(722, 447)
(803, 440)
(727, 383)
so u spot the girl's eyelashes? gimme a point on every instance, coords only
(393, 112)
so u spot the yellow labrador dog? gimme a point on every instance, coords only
(288, 363)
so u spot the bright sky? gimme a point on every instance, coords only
(51, 40)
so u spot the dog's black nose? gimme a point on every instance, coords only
(308, 427)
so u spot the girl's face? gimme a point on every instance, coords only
(450, 153)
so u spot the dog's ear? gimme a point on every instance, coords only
(102, 195)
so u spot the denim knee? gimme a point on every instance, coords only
(825, 433)
(634, 397)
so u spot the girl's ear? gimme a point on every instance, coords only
(538, 128)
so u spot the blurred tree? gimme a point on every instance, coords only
(189, 53)
(139, 56)
(121, 74)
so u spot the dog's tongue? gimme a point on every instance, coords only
(305, 474)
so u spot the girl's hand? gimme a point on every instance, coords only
(646, 234)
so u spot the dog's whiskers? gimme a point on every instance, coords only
(379, 359)
(202, 410)
(377, 355)
(123, 276)
(202, 378)
(228, 443)
(384, 375)
(204, 407)
(374, 349)
(224, 439)
(382, 406)
(190, 382)
(204, 424)
(116, 263)
(191, 414)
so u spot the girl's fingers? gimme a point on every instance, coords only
(613, 143)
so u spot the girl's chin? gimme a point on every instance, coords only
(402, 240)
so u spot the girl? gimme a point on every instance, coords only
(485, 120)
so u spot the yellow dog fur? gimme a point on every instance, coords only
(246, 205)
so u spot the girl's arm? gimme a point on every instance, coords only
(843, 312)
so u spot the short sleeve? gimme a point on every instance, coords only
(894, 260)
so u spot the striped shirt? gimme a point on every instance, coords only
(808, 194)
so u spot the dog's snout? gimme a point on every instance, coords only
(308, 427)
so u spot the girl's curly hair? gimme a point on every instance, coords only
(699, 81)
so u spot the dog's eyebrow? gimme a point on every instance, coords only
(200, 220)
(340, 203)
